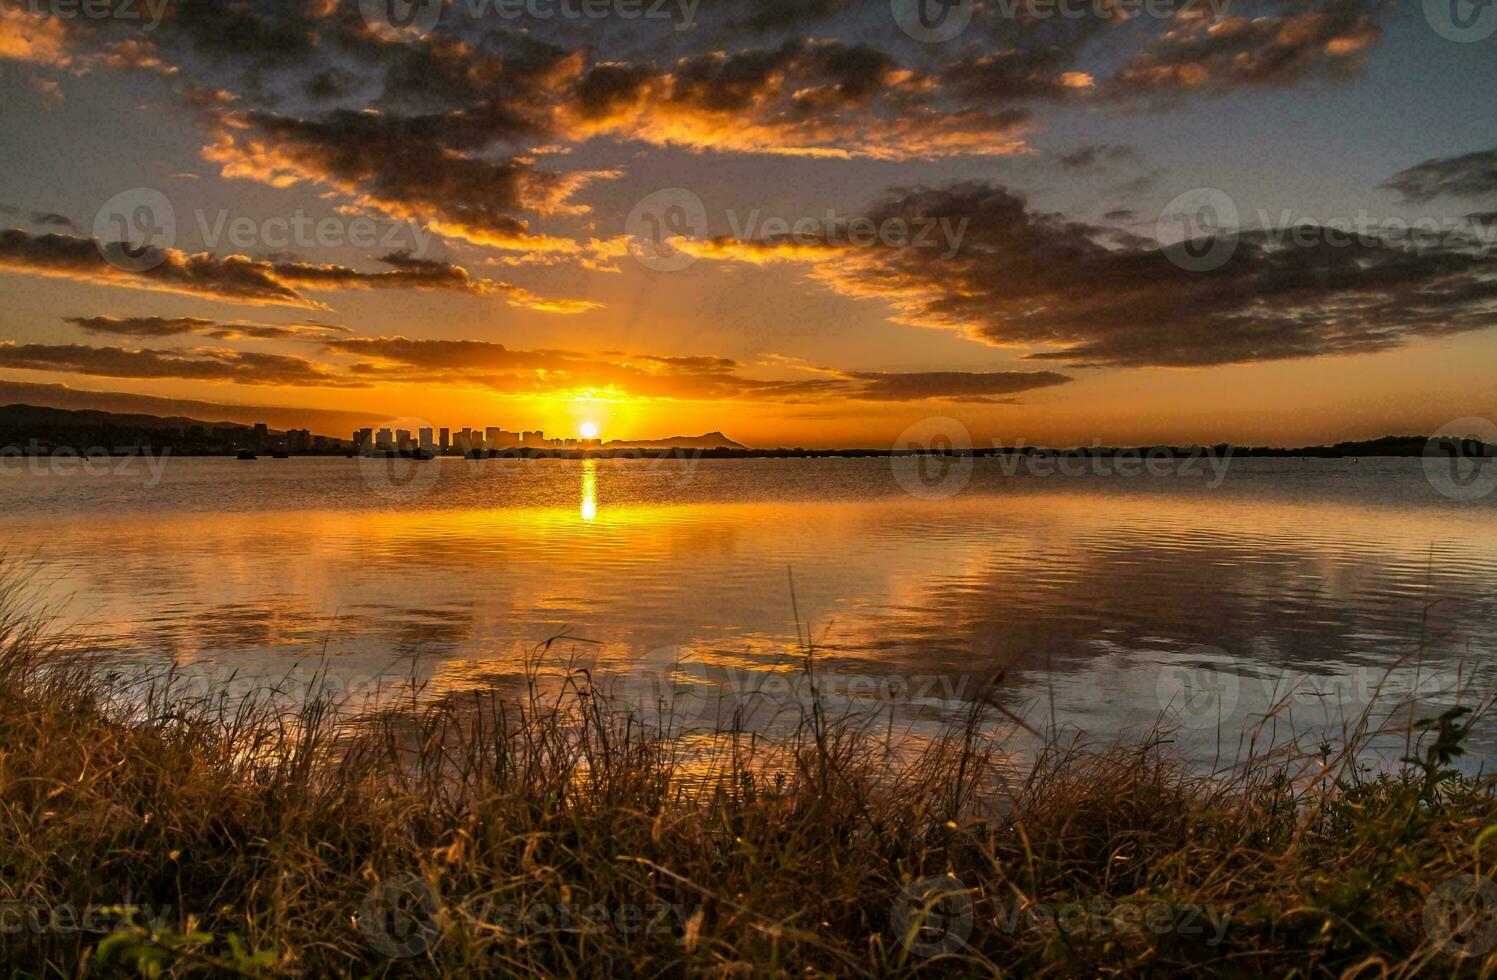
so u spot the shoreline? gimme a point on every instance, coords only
(537, 832)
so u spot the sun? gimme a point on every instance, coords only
(589, 430)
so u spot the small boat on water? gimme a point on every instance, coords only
(280, 454)
(246, 454)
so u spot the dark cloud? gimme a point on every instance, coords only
(406, 273)
(235, 367)
(262, 35)
(238, 279)
(413, 167)
(817, 98)
(1096, 155)
(517, 81)
(961, 386)
(51, 219)
(331, 83)
(235, 278)
(1122, 214)
(452, 354)
(1071, 293)
(156, 326)
(1469, 176)
(448, 120)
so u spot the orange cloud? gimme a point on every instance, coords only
(27, 37)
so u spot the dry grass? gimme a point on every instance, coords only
(548, 833)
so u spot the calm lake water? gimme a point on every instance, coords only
(1105, 602)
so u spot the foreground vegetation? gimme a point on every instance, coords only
(551, 833)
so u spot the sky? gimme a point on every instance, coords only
(798, 222)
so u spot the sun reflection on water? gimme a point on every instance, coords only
(589, 489)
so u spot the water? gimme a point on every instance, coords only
(1103, 603)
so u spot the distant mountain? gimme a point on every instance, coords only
(37, 429)
(36, 418)
(322, 421)
(711, 440)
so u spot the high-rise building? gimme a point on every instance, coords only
(363, 440)
(298, 440)
(444, 439)
(426, 440)
(536, 439)
(262, 434)
(384, 440)
(502, 438)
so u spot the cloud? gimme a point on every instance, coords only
(1017, 74)
(239, 279)
(699, 378)
(1068, 291)
(1096, 155)
(1203, 53)
(472, 363)
(156, 326)
(1469, 176)
(439, 129)
(419, 168)
(233, 279)
(234, 367)
(958, 386)
(51, 219)
(805, 98)
(32, 38)
(133, 54)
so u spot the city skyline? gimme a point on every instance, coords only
(465, 440)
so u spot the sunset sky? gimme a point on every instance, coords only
(795, 221)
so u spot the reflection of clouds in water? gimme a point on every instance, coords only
(1103, 581)
(1283, 598)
